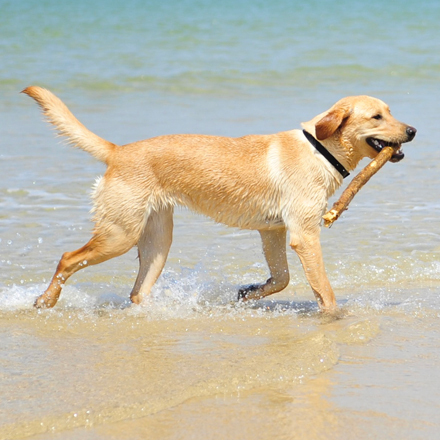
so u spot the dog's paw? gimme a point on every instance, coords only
(44, 302)
(253, 291)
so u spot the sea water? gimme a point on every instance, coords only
(189, 363)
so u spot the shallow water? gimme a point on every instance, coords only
(181, 369)
(189, 363)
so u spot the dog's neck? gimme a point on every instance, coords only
(327, 154)
(342, 149)
(337, 145)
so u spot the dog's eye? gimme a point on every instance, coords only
(378, 117)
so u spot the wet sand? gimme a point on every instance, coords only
(278, 370)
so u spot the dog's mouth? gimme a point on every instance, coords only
(378, 144)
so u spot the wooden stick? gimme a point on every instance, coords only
(356, 184)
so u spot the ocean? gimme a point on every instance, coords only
(189, 363)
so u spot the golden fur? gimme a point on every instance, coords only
(274, 183)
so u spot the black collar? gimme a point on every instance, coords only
(332, 159)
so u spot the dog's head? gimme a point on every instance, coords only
(363, 126)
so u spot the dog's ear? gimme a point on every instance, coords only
(331, 121)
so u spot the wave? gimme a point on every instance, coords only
(226, 83)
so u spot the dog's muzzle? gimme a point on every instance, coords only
(398, 155)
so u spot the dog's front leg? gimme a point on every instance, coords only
(274, 248)
(308, 248)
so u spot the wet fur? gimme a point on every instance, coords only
(274, 183)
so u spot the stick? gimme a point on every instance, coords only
(356, 184)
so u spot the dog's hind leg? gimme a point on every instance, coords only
(153, 248)
(274, 248)
(103, 246)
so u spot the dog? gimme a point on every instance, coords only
(274, 184)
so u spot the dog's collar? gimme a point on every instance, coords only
(332, 159)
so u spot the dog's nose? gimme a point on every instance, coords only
(411, 132)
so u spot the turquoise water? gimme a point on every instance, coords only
(218, 48)
(132, 70)
(135, 69)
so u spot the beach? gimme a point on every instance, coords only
(190, 363)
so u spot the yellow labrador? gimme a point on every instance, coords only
(271, 183)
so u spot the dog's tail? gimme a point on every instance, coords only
(67, 125)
